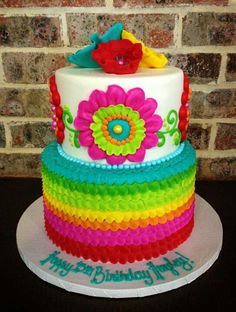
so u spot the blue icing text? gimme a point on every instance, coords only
(98, 274)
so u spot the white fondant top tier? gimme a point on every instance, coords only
(164, 85)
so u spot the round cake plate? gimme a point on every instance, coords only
(139, 279)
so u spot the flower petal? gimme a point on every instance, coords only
(138, 156)
(135, 98)
(84, 111)
(85, 138)
(115, 95)
(150, 140)
(98, 99)
(81, 124)
(115, 160)
(95, 152)
(148, 108)
(153, 123)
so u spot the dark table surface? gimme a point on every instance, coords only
(24, 291)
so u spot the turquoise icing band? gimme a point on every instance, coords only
(66, 167)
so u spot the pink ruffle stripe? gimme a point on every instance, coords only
(139, 236)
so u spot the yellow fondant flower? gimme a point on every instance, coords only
(150, 57)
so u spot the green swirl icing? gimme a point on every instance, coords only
(68, 121)
(170, 127)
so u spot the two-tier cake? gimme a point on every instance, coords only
(118, 184)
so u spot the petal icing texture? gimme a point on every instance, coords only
(81, 124)
(115, 160)
(95, 152)
(85, 111)
(85, 138)
(148, 109)
(135, 98)
(154, 123)
(151, 140)
(115, 95)
(138, 156)
(98, 99)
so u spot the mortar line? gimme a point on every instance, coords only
(11, 85)
(181, 49)
(213, 133)
(211, 121)
(123, 10)
(194, 87)
(21, 150)
(178, 31)
(200, 153)
(64, 30)
(2, 76)
(7, 135)
(221, 78)
(202, 121)
(216, 153)
(109, 4)
(26, 119)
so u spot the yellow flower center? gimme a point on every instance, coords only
(117, 129)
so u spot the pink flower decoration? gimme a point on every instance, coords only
(117, 126)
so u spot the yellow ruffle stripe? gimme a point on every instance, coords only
(114, 226)
(117, 216)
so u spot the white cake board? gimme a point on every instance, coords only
(167, 272)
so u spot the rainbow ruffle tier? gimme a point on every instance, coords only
(118, 214)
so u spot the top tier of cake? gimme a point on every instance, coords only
(121, 119)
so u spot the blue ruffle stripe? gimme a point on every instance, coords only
(55, 159)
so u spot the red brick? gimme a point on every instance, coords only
(216, 168)
(156, 30)
(23, 31)
(24, 102)
(2, 135)
(51, 3)
(36, 134)
(200, 67)
(31, 67)
(199, 136)
(209, 29)
(231, 67)
(158, 3)
(219, 103)
(20, 165)
(226, 136)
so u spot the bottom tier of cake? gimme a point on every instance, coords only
(122, 213)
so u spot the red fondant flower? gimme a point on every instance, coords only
(184, 110)
(118, 56)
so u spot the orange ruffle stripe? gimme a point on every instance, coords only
(124, 225)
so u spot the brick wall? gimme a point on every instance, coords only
(197, 35)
